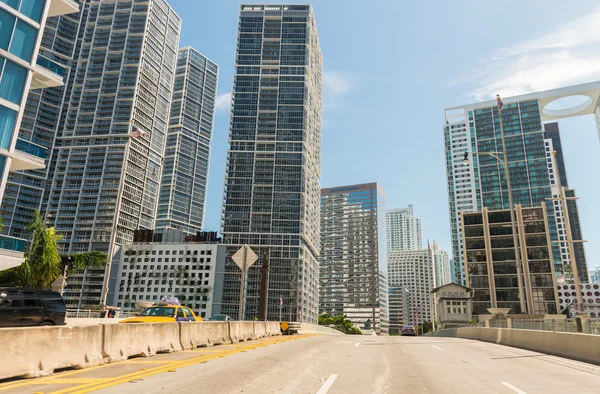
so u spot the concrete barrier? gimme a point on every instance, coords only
(273, 328)
(576, 346)
(217, 333)
(241, 331)
(260, 329)
(193, 335)
(85, 321)
(122, 341)
(38, 351)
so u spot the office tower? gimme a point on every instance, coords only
(271, 197)
(148, 271)
(23, 67)
(182, 198)
(554, 144)
(404, 231)
(384, 306)
(42, 117)
(395, 309)
(441, 265)
(353, 253)
(410, 273)
(595, 276)
(105, 182)
(490, 258)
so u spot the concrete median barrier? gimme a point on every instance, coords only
(273, 328)
(217, 333)
(260, 329)
(38, 351)
(241, 331)
(193, 335)
(122, 341)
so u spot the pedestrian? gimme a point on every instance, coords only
(103, 312)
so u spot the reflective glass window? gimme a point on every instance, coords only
(13, 3)
(12, 82)
(33, 9)
(23, 41)
(7, 124)
(7, 23)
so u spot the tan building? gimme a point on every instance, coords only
(492, 270)
(452, 305)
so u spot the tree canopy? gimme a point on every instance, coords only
(340, 322)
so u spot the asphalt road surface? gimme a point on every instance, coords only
(336, 364)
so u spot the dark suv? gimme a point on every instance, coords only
(31, 307)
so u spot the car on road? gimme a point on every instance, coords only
(220, 318)
(164, 314)
(408, 330)
(21, 307)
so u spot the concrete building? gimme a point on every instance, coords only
(384, 304)
(491, 267)
(353, 253)
(395, 309)
(404, 231)
(410, 274)
(272, 190)
(148, 271)
(105, 183)
(452, 305)
(554, 144)
(23, 67)
(595, 276)
(182, 200)
(567, 298)
(481, 183)
(441, 265)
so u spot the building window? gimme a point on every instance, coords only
(7, 124)
(23, 41)
(7, 23)
(31, 8)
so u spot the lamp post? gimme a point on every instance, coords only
(504, 161)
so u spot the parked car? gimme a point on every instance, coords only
(220, 318)
(408, 330)
(21, 307)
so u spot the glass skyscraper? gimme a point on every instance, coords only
(22, 67)
(182, 198)
(404, 231)
(105, 183)
(272, 191)
(353, 253)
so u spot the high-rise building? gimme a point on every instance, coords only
(410, 274)
(554, 144)
(44, 112)
(105, 182)
(492, 272)
(441, 265)
(353, 253)
(182, 200)
(595, 276)
(23, 67)
(482, 182)
(384, 304)
(272, 190)
(404, 231)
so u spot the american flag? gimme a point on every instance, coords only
(136, 132)
(500, 103)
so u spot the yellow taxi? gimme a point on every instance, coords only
(164, 314)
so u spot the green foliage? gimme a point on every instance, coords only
(43, 264)
(340, 322)
(424, 328)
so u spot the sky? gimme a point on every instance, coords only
(392, 67)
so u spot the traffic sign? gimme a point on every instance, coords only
(238, 257)
(285, 326)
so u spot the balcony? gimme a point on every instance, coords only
(47, 74)
(28, 156)
(61, 7)
(12, 252)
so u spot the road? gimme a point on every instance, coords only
(333, 365)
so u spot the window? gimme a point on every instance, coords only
(188, 313)
(32, 9)
(12, 299)
(7, 22)
(7, 123)
(180, 312)
(31, 299)
(23, 41)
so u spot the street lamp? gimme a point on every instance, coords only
(503, 158)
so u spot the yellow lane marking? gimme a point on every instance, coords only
(46, 379)
(76, 380)
(148, 362)
(86, 388)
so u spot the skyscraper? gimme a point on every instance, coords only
(105, 182)
(44, 112)
(441, 265)
(554, 144)
(23, 67)
(272, 191)
(353, 253)
(182, 198)
(410, 277)
(404, 230)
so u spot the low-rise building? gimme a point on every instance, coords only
(590, 293)
(452, 305)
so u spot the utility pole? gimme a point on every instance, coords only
(264, 286)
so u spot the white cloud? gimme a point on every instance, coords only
(223, 102)
(569, 55)
(336, 83)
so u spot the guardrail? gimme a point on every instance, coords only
(39, 351)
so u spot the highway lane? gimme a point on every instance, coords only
(333, 365)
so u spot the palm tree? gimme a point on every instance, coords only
(43, 264)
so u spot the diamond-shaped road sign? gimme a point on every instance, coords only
(238, 257)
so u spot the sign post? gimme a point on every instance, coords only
(280, 308)
(244, 258)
